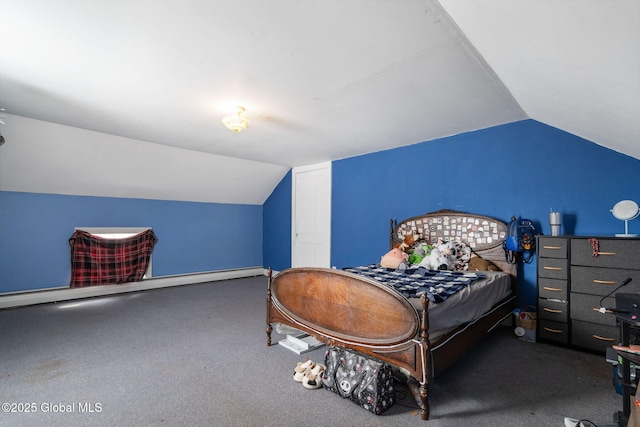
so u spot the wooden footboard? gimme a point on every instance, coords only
(343, 309)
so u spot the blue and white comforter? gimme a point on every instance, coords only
(437, 284)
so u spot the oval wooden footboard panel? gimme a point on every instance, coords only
(345, 306)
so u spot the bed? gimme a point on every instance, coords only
(416, 335)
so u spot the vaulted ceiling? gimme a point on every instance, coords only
(320, 80)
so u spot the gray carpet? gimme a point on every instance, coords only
(197, 355)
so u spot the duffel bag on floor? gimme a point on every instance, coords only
(363, 380)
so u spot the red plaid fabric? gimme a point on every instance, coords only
(99, 261)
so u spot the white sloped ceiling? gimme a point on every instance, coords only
(320, 80)
(572, 64)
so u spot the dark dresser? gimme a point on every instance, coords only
(572, 281)
(553, 288)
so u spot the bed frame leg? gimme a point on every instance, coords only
(425, 345)
(269, 328)
(425, 401)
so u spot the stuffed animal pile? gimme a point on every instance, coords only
(414, 253)
(398, 257)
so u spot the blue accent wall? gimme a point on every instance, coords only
(192, 237)
(522, 169)
(277, 226)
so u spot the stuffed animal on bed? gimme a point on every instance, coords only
(442, 257)
(480, 264)
(407, 243)
(395, 258)
(435, 261)
(418, 252)
(463, 256)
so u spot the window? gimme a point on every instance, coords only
(119, 233)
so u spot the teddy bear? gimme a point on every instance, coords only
(477, 263)
(395, 258)
(407, 243)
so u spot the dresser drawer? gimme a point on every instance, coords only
(552, 247)
(552, 288)
(593, 336)
(553, 268)
(585, 307)
(613, 253)
(553, 310)
(601, 281)
(554, 331)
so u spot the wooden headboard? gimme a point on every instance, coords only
(484, 234)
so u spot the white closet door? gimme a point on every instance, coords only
(311, 216)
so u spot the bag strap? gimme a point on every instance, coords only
(352, 386)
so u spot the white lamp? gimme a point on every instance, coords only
(626, 210)
(236, 123)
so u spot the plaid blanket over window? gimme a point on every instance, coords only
(99, 261)
(413, 282)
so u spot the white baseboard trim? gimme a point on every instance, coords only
(19, 299)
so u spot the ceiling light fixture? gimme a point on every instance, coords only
(236, 123)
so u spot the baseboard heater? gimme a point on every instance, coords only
(19, 299)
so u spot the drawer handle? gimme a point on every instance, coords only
(598, 337)
(555, 331)
(606, 310)
(553, 268)
(551, 310)
(606, 253)
(604, 282)
(552, 247)
(546, 288)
